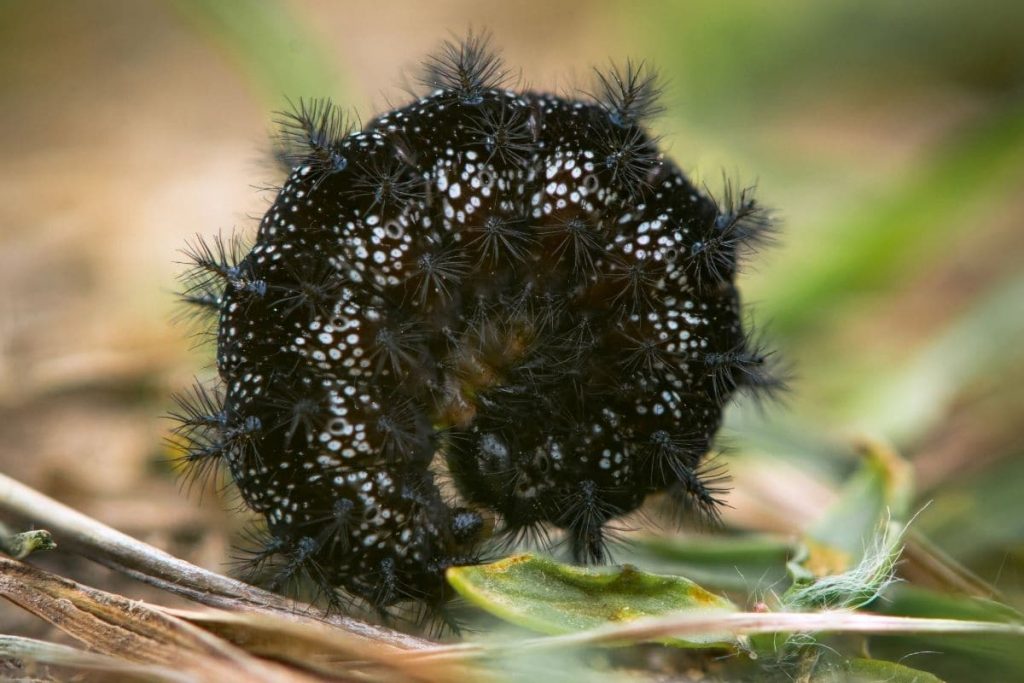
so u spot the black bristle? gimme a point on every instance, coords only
(311, 133)
(579, 239)
(666, 458)
(629, 95)
(504, 132)
(467, 67)
(213, 266)
(749, 366)
(501, 240)
(398, 347)
(299, 567)
(749, 224)
(334, 526)
(701, 492)
(439, 274)
(404, 432)
(314, 288)
(201, 308)
(636, 283)
(387, 184)
(486, 315)
(255, 553)
(740, 227)
(201, 435)
(584, 514)
(200, 462)
(631, 158)
(646, 355)
(198, 410)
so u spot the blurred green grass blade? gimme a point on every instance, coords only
(934, 565)
(861, 670)
(749, 563)
(980, 515)
(913, 601)
(269, 44)
(995, 657)
(905, 404)
(542, 595)
(858, 670)
(886, 237)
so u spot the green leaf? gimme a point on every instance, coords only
(542, 595)
(871, 670)
(743, 563)
(878, 492)
(994, 657)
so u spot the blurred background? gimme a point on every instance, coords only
(888, 136)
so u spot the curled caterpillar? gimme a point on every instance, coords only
(486, 314)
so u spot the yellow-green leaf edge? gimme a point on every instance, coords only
(542, 595)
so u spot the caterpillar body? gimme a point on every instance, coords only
(486, 314)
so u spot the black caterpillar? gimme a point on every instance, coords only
(512, 289)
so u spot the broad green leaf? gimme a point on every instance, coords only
(542, 595)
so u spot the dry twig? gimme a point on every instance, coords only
(98, 542)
